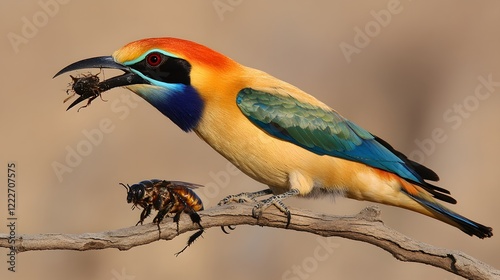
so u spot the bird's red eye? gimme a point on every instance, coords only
(153, 59)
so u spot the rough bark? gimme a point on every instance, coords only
(365, 226)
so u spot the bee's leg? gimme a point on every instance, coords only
(193, 215)
(176, 219)
(196, 219)
(159, 217)
(191, 239)
(144, 214)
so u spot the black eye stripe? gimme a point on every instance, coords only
(169, 69)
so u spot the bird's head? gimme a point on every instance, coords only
(176, 76)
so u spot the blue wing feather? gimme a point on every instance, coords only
(319, 130)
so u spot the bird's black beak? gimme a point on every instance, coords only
(126, 79)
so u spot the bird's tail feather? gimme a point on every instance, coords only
(446, 215)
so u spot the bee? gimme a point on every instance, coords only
(87, 87)
(167, 197)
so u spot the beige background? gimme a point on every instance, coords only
(423, 63)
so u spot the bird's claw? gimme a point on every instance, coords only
(224, 229)
(257, 211)
(264, 204)
(259, 208)
(241, 198)
(238, 198)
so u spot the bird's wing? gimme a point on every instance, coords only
(320, 130)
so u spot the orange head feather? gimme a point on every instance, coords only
(188, 50)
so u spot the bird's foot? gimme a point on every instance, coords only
(242, 198)
(275, 200)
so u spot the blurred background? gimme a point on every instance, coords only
(405, 70)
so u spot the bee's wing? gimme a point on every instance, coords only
(185, 184)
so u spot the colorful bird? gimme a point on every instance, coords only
(272, 131)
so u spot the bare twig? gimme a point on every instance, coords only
(365, 226)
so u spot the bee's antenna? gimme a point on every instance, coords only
(127, 187)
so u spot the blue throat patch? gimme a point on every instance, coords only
(180, 103)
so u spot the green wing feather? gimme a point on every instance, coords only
(319, 130)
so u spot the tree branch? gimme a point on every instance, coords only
(365, 226)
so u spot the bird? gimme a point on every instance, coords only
(273, 131)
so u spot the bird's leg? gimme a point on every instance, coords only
(277, 201)
(244, 197)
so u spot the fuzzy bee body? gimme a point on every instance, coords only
(167, 197)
